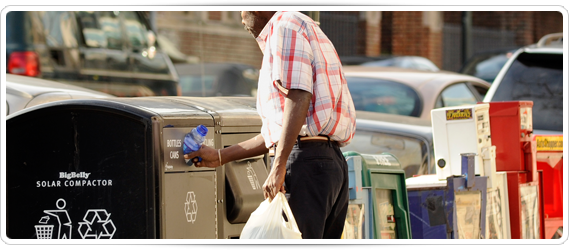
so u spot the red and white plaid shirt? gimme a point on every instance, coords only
(298, 53)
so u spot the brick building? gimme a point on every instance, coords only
(218, 36)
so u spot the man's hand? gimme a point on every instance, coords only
(274, 182)
(209, 157)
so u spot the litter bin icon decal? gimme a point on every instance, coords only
(55, 221)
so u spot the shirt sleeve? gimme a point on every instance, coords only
(292, 58)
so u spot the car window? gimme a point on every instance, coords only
(101, 29)
(136, 31)
(412, 153)
(455, 95)
(537, 78)
(59, 29)
(384, 96)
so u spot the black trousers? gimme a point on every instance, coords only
(316, 185)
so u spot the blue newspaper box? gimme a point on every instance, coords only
(454, 208)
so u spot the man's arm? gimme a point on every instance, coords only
(210, 158)
(294, 116)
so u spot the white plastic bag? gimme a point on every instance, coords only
(267, 221)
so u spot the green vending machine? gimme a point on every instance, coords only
(378, 207)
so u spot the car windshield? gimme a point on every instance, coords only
(537, 78)
(383, 96)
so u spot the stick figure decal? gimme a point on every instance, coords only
(55, 221)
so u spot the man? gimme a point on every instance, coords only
(307, 114)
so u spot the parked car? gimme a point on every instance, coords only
(535, 73)
(486, 65)
(110, 51)
(411, 92)
(24, 92)
(218, 79)
(409, 139)
(407, 62)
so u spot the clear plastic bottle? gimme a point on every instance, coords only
(194, 140)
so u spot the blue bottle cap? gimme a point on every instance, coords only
(202, 130)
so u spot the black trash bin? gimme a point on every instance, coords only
(114, 169)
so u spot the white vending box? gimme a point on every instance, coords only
(463, 129)
(498, 209)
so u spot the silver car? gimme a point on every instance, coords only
(24, 92)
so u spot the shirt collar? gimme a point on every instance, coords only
(262, 37)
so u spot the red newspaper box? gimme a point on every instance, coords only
(549, 161)
(511, 127)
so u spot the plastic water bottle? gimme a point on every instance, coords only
(194, 140)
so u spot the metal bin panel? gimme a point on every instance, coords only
(190, 205)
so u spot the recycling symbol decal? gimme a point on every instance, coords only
(97, 224)
(191, 207)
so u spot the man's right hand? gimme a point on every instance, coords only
(209, 157)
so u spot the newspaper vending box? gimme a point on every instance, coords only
(549, 160)
(378, 207)
(512, 130)
(454, 208)
(463, 129)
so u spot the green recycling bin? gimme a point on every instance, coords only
(377, 187)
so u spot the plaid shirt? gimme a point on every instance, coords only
(298, 53)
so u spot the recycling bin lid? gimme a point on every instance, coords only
(232, 111)
(425, 181)
(140, 106)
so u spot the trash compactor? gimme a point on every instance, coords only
(114, 169)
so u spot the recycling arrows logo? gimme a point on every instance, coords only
(191, 207)
(97, 224)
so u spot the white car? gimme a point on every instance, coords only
(535, 73)
(24, 92)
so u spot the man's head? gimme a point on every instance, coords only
(255, 21)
